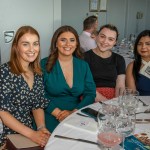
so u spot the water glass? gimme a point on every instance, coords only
(128, 100)
(108, 136)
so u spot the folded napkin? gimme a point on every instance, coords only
(84, 124)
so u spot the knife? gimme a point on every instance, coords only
(142, 121)
(80, 140)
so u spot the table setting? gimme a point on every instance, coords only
(80, 131)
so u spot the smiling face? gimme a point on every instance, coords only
(143, 48)
(28, 48)
(106, 39)
(66, 44)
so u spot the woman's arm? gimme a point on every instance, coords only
(89, 92)
(120, 83)
(39, 118)
(130, 82)
(11, 122)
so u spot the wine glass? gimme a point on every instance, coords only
(128, 100)
(108, 136)
(125, 123)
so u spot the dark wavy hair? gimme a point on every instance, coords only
(137, 62)
(54, 50)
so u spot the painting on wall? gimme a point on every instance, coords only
(97, 5)
(93, 5)
(102, 5)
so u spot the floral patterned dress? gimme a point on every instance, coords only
(18, 99)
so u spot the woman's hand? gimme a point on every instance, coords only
(40, 137)
(99, 97)
(63, 114)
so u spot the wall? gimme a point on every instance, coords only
(121, 13)
(135, 25)
(45, 16)
(116, 14)
(148, 15)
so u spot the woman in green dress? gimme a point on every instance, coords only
(68, 81)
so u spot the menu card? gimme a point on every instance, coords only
(140, 141)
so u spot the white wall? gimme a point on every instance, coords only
(121, 13)
(116, 14)
(45, 16)
(148, 15)
(135, 25)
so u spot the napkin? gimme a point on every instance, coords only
(84, 124)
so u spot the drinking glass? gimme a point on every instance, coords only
(128, 100)
(126, 125)
(108, 136)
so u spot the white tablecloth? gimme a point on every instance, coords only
(62, 129)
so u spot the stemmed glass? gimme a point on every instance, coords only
(128, 100)
(108, 135)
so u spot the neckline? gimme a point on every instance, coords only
(108, 58)
(96, 53)
(64, 76)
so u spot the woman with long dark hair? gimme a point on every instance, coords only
(67, 78)
(138, 71)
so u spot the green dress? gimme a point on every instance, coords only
(61, 96)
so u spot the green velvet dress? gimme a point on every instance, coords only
(61, 96)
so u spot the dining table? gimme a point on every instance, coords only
(126, 52)
(80, 126)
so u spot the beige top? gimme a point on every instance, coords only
(145, 70)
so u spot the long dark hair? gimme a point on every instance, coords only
(137, 62)
(54, 50)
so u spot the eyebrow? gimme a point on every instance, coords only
(108, 37)
(66, 38)
(29, 42)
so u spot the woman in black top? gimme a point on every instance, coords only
(108, 68)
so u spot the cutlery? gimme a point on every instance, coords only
(144, 121)
(74, 139)
(146, 111)
(144, 104)
(102, 103)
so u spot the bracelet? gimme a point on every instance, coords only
(40, 127)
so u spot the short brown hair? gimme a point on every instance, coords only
(89, 22)
(111, 27)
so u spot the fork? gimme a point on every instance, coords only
(144, 104)
(146, 111)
